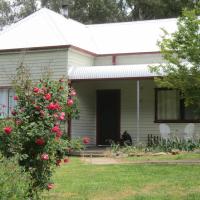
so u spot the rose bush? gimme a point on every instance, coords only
(37, 128)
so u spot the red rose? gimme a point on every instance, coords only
(37, 107)
(59, 134)
(44, 156)
(55, 129)
(16, 98)
(40, 141)
(86, 140)
(53, 106)
(50, 186)
(70, 102)
(66, 160)
(36, 90)
(7, 130)
(13, 112)
(57, 106)
(58, 162)
(47, 97)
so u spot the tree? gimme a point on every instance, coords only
(6, 16)
(89, 11)
(181, 50)
(97, 11)
(148, 9)
(23, 8)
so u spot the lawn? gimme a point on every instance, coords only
(182, 156)
(81, 181)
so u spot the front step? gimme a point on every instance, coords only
(92, 152)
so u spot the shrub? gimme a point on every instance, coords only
(14, 183)
(37, 129)
(168, 145)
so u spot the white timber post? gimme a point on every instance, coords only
(138, 111)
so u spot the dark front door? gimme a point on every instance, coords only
(108, 116)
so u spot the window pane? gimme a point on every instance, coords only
(3, 103)
(192, 113)
(7, 102)
(168, 106)
(11, 101)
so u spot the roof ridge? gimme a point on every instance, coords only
(132, 22)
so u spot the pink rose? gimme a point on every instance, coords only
(73, 93)
(50, 186)
(18, 122)
(44, 156)
(61, 118)
(42, 113)
(70, 102)
(86, 140)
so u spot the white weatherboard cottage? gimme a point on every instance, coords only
(108, 66)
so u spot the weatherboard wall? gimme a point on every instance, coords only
(86, 125)
(78, 58)
(36, 61)
(129, 59)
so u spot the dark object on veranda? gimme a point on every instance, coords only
(126, 139)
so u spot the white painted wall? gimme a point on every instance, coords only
(86, 125)
(129, 59)
(36, 61)
(77, 58)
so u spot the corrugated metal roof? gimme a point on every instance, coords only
(46, 28)
(109, 72)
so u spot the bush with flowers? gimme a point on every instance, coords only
(36, 132)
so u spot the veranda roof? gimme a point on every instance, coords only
(110, 72)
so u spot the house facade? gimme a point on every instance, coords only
(107, 64)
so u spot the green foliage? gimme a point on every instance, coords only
(97, 11)
(157, 9)
(36, 131)
(13, 182)
(181, 50)
(168, 145)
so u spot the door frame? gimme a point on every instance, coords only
(97, 119)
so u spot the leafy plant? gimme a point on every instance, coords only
(14, 182)
(36, 131)
(168, 145)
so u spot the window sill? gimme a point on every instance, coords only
(177, 121)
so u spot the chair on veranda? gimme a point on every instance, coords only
(189, 131)
(164, 131)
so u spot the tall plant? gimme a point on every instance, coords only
(37, 135)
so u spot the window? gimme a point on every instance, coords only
(169, 107)
(7, 102)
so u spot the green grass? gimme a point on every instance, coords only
(182, 156)
(80, 181)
